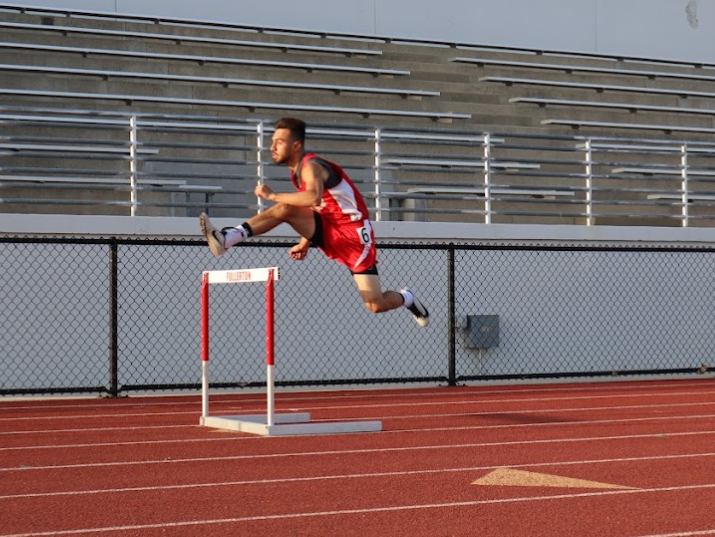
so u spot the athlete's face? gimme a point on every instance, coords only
(285, 149)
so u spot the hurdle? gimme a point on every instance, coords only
(271, 423)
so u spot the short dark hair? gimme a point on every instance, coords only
(294, 125)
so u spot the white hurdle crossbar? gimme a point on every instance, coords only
(270, 424)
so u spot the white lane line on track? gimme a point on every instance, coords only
(496, 413)
(664, 434)
(378, 417)
(398, 431)
(368, 394)
(353, 476)
(96, 429)
(682, 534)
(382, 417)
(352, 407)
(369, 510)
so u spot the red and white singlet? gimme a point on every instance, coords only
(347, 234)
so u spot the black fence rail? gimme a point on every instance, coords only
(114, 316)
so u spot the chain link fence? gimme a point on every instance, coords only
(115, 316)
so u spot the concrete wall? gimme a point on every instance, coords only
(669, 29)
(168, 227)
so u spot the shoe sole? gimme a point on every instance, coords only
(422, 320)
(207, 229)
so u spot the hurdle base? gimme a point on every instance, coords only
(287, 424)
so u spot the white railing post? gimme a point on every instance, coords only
(133, 164)
(259, 158)
(684, 186)
(377, 177)
(487, 178)
(589, 182)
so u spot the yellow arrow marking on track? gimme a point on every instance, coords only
(520, 478)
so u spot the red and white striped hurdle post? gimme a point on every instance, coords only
(205, 345)
(270, 351)
(270, 423)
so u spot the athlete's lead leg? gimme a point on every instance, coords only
(300, 219)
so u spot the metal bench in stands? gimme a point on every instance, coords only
(596, 86)
(226, 82)
(89, 51)
(570, 68)
(450, 163)
(176, 38)
(663, 171)
(129, 99)
(631, 107)
(437, 192)
(577, 123)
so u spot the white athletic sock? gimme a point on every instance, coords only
(409, 299)
(234, 235)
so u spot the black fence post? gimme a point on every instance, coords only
(113, 319)
(452, 325)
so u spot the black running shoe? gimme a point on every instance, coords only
(214, 237)
(419, 312)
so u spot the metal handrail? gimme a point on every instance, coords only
(461, 175)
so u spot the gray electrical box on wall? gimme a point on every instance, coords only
(482, 331)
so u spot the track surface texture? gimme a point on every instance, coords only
(625, 459)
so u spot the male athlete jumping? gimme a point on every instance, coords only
(327, 212)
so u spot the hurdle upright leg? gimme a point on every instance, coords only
(204, 347)
(270, 357)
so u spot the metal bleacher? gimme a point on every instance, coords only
(675, 96)
(179, 38)
(106, 74)
(157, 116)
(202, 59)
(590, 69)
(152, 164)
(249, 105)
(666, 128)
(631, 107)
(599, 87)
(195, 64)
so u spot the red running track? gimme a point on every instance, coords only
(644, 454)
